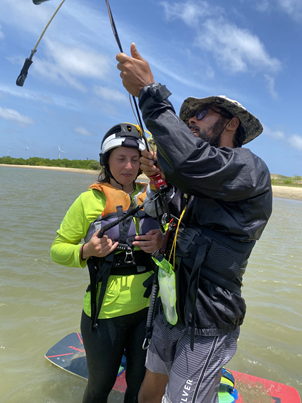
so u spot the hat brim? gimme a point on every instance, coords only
(249, 123)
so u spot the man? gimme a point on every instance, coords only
(224, 197)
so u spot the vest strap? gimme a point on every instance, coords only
(103, 273)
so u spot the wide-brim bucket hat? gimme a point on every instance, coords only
(249, 123)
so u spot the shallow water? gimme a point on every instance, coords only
(41, 302)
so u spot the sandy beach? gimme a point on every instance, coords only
(74, 170)
(283, 192)
(286, 192)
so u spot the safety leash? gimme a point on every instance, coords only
(151, 310)
(28, 61)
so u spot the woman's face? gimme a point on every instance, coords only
(124, 164)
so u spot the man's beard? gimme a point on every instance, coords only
(216, 129)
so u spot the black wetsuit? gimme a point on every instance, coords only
(105, 347)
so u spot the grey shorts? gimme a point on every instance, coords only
(194, 376)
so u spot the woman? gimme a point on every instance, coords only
(115, 309)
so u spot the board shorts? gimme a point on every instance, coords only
(194, 376)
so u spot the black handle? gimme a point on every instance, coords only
(37, 2)
(112, 224)
(23, 74)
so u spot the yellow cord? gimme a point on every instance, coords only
(173, 249)
(45, 28)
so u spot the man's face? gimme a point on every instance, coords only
(210, 127)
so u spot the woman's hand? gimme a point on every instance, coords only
(98, 247)
(151, 242)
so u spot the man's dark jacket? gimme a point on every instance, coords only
(230, 195)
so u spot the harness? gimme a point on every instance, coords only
(123, 261)
(199, 254)
(203, 254)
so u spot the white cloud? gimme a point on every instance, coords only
(234, 48)
(76, 22)
(50, 98)
(296, 142)
(68, 63)
(14, 116)
(52, 72)
(271, 85)
(1, 33)
(110, 94)
(77, 25)
(190, 12)
(263, 6)
(79, 62)
(292, 7)
(183, 78)
(277, 134)
(24, 15)
(83, 132)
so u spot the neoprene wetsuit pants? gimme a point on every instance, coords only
(104, 350)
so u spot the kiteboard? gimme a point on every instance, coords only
(69, 354)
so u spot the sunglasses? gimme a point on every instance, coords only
(201, 113)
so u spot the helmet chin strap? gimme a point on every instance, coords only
(111, 176)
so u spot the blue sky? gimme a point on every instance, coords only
(247, 50)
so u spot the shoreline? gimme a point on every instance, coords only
(287, 192)
(283, 192)
(61, 169)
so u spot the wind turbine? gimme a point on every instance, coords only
(8, 151)
(60, 151)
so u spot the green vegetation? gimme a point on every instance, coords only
(46, 162)
(281, 180)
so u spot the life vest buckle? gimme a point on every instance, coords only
(129, 256)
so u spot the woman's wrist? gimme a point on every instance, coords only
(82, 252)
